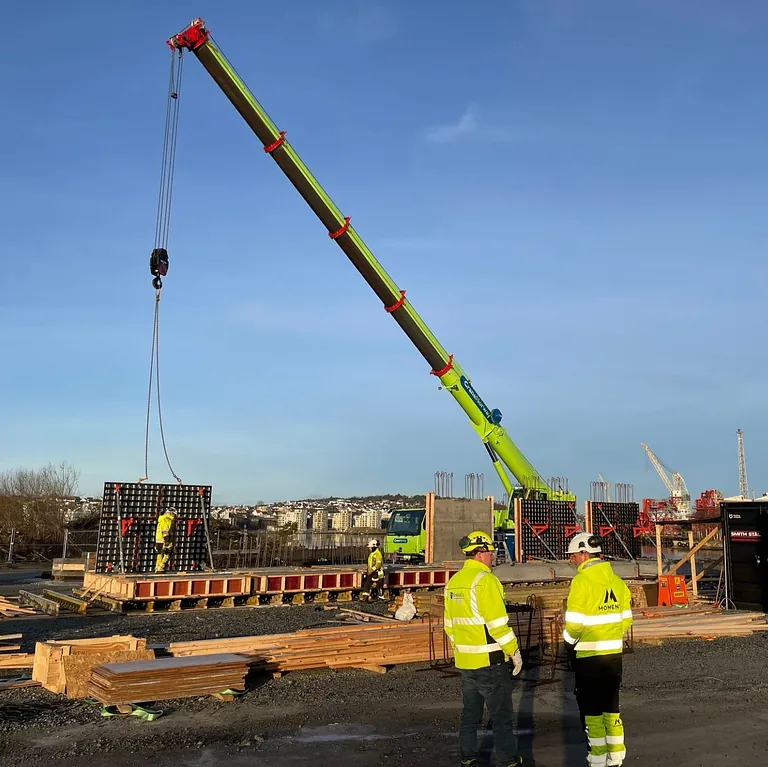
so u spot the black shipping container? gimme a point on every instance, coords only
(745, 545)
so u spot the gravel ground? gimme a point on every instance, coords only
(688, 698)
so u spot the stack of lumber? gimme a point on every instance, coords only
(10, 659)
(10, 608)
(370, 647)
(655, 624)
(167, 678)
(545, 598)
(63, 666)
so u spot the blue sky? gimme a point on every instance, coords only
(573, 193)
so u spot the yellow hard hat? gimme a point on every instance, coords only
(476, 541)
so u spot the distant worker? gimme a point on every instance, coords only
(598, 614)
(374, 577)
(476, 622)
(163, 538)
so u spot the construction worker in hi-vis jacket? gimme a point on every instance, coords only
(373, 581)
(476, 622)
(163, 542)
(598, 614)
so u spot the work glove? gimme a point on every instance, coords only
(517, 663)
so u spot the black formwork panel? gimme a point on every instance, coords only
(544, 528)
(618, 526)
(138, 507)
(745, 545)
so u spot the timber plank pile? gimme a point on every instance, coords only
(10, 659)
(167, 678)
(10, 608)
(655, 624)
(366, 646)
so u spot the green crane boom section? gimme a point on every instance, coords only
(501, 449)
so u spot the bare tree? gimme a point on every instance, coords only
(31, 501)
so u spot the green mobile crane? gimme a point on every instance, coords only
(502, 451)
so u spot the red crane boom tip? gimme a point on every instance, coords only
(190, 38)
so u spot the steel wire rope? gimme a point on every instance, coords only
(162, 229)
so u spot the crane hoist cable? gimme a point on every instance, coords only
(158, 261)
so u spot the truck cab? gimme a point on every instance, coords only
(406, 537)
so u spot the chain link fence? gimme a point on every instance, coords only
(279, 549)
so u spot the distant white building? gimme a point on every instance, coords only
(341, 520)
(367, 518)
(291, 517)
(319, 519)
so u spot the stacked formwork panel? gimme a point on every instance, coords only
(128, 520)
(620, 525)
(543, 528)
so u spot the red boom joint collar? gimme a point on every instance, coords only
(271, 147)
(441, 373)
(339, 232)
(397, 304)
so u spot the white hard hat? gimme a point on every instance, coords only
(584, 542)
(373, 543)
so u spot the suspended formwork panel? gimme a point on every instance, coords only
(129, 515)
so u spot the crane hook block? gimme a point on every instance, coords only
(158, 266)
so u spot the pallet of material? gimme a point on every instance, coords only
(167, 678)
(50, 666)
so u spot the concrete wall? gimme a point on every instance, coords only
(449, 519)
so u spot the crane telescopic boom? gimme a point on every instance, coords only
(486, 422)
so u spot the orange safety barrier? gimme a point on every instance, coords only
(672, 590)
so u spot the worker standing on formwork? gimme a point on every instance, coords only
(598, 614)
(374, 577)
(476, 622)
(163, 542)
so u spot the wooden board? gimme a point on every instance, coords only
(77, 667)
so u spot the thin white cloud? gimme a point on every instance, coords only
(469, 125)
(452, 132)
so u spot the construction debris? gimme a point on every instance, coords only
(220, 674)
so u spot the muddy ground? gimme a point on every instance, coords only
(685, 703)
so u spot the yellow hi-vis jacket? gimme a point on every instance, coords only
(163, 529)
(475, 618)
(375, 561)
(599, 610)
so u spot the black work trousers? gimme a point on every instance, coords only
(490, 686)
(598, 681)
(371, 581)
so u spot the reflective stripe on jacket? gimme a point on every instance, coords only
(375, 561)
(475, 618)
(599, 610)
(163, 529)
